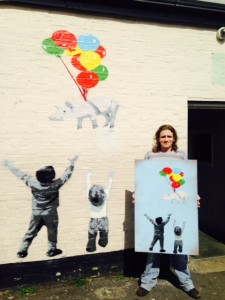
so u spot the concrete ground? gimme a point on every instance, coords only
(208, 274)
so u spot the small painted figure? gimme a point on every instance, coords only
(178, 233)
(98, 197)
(158, 231)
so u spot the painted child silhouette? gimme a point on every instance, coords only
(158, 231)
(178, 235)
(45, 200)
(98, 197)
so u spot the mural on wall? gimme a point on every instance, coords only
(218, 67)
(45, 200)
(98, 197)
(86, 55)
(164, 208)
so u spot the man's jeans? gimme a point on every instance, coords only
(179, 264)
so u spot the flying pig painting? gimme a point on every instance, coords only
(166, 216)
(82, 57)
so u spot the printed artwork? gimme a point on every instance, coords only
(85, 55)
(166, 218)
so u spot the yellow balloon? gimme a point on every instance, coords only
(90, 60)
(177, 177)
(76, 51)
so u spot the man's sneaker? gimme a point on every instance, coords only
(141, 292)
(194, 293)
(53, 252)
(162, 250)
(22, 254)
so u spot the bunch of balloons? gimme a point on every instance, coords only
(175, 177)
(86, 55)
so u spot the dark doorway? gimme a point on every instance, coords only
(206, 143)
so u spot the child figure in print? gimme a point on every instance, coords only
(178, 237)
(98, 197)
(45, 200)
(158, 231)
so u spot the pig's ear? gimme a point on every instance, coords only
(69, 104)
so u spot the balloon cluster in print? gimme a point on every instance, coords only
(175, 177)
(86, 54)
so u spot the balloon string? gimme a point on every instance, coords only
(170, 185)
(84, 91)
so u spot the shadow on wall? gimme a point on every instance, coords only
(134, 262)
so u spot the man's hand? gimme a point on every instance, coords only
(133, 198)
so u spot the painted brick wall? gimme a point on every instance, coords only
(154, 70)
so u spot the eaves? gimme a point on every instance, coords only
(197, 13)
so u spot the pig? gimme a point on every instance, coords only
(87, 109)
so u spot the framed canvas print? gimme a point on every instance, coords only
(166, 216)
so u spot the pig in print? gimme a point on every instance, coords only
(88, 109)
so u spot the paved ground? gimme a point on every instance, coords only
(208, 276)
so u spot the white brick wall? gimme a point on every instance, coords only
(154, 70)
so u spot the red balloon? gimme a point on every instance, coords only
(176, 185)
(87, 79)
(75, 61)
(64, 39)
(182, 174)
(167, 170)
(101, 51)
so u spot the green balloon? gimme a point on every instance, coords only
(162, 173)
(102, 72)
(182, 181)
(51, 48)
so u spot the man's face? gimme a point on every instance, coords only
(166, 140)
